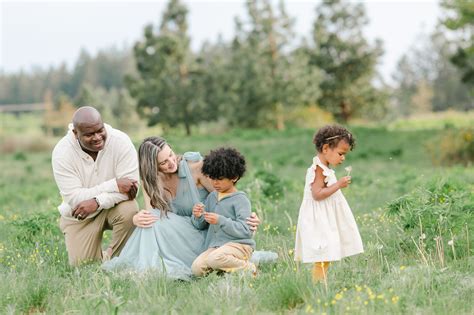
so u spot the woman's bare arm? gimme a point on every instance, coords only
(199, 178)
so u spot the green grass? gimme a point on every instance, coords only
(400, 271)
(436, 120)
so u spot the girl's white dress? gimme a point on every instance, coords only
(326, 228)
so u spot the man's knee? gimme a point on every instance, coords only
(80, 252)
(78, 260)
(81, 240)
(124, 211)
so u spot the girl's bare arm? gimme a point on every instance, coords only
(321, 191)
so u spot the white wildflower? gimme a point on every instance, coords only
(451, 242)
(348, 170)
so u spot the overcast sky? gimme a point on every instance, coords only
(44, 33)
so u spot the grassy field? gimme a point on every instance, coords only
(416, 223)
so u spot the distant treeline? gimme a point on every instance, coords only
(107, 70)
(262, 75)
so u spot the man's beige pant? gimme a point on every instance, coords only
(229, 257)
(84, 238)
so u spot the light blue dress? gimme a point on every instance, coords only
(172, 244)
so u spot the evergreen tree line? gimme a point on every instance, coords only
(262, 75)
(105, 70)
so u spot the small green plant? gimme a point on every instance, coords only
(437, 217)
(272, 186)
(19, 156)
(28, 230)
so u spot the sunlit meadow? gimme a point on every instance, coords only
(416, 222)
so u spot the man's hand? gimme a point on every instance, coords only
(144, 219)
(211, 218)
(253, 221)
(128, 186)
(85, 208)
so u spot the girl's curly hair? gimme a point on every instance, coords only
(332, 135)
(224, 163)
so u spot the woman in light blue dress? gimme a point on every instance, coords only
(165, 239)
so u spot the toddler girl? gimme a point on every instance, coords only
(326, 228)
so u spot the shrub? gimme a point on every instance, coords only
(308, 117)
(272, 186)
(454, 146)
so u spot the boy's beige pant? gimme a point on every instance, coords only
(84, 238)
(229, 257)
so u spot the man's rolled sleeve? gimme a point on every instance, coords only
(127, 166)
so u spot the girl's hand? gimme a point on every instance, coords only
(198, 210)
(211, 218)
(144, 219)
(253, 221)
(344, 182)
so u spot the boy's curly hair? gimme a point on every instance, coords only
(332, 135)
(224, 163)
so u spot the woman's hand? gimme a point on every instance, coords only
(144, 219)
(253, 221)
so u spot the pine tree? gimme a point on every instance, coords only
(460, 19)
(265, 71)
(347, 59)
(168, 88)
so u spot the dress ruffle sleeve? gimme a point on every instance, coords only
(329, 174)
(311, 175)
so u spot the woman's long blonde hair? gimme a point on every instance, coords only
(149, 168)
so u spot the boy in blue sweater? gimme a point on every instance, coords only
(229, 239)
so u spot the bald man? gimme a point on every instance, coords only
(96, 169)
